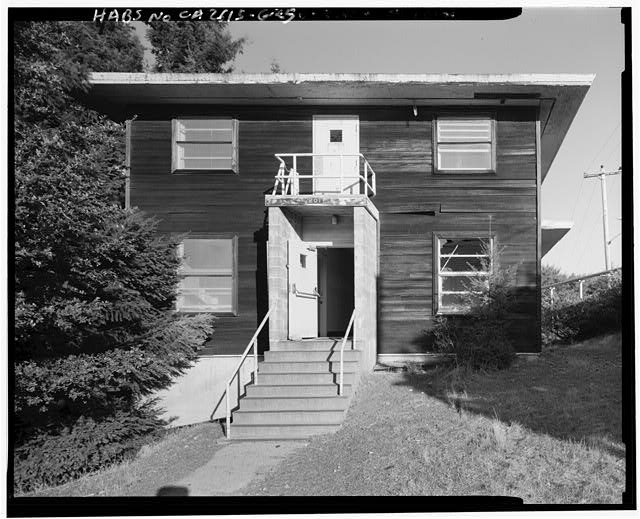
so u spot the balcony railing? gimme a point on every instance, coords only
(349, 174)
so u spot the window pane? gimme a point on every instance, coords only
(205, 164)
(464, 130)
(204, 151)
(212, 255)
(464, 156)
(205, 130)
(206, 293)
(454, 264)
(455, 283)
(463, 246)
(453, 302)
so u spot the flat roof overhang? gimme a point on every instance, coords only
(558, 96)
(552, 233)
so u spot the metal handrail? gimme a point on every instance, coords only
(580, 280)
(253, 342)
(344, 341)
(293, 177)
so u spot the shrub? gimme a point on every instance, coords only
(94, 331)
(481, 338)
(86, 446)
(477, 343)
(569, 318)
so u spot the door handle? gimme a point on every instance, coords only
(314, 294)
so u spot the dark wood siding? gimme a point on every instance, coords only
(415, 203)
(412, 200)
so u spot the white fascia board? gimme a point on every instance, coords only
(133, 78)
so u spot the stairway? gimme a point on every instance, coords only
(297, 391)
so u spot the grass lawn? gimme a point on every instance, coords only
(546, 430)
(158, 464)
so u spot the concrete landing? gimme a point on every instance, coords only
(235, 466)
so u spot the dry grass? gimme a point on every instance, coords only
(158, 464)
(547, 431)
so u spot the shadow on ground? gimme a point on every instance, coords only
(572, 392)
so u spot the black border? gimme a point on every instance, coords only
(628, 273)
(48, 507)
(276, 14)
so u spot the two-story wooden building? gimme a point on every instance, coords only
(323, 199)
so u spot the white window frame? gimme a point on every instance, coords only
(439, 274)
(465, 117)
(212, 273)
(175, 166)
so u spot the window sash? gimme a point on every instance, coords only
(464, 144)
(208, 288)
(204, 144)
(461, 130)
(442, 305)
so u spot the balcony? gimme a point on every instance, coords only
(323, 174)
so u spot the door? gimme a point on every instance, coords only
(338, 136)
(303, 290)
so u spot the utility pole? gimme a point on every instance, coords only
(605, 222)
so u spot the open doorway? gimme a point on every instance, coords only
(335, 283)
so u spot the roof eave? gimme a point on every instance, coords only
(558, 95)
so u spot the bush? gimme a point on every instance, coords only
(481, 338)
(77, 413)
(95, 330)
(477, 343)
(88, 445)
(569, 318)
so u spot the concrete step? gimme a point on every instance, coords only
(322, 344)
(310, 367)
(280, 432)
(335, 403)
(295, 390)
(310, 356)
(288, 417)
(292, 378)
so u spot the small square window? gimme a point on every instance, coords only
(335, 135)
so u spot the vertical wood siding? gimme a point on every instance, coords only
(412, 200)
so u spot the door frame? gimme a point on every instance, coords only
(320, 117)
(291, 258)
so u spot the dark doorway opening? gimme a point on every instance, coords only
(335, 284)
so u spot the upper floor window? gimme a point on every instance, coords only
(464, 144)
(205, 144)
(458, 259)
(208, 275)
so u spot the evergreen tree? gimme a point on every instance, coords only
(105, 47)
(94, 284)
(193, 46)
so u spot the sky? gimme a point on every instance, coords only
(551, 40)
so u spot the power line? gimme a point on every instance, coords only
(575, 205)
(602, 147)
(602, 175)
(583, 222)
(615, 148)
(586, 212)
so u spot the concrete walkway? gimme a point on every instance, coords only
(232, 468)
